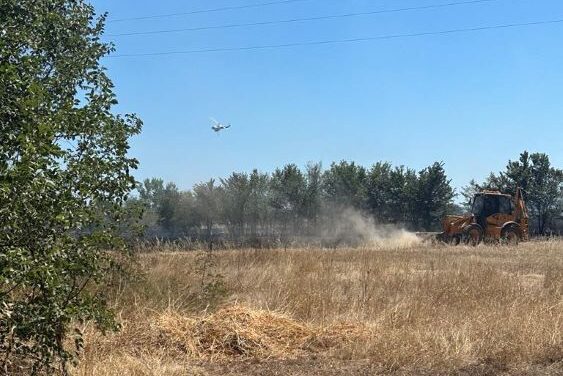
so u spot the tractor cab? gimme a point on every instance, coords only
(489, 203)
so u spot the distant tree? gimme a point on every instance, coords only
(161, 202)
(288, 187)
(148, 203)
(345, 185)
(391, 193)
(140, 222)
(312, 200)
(208, 206)
(434, 195)
(403, 197)
(379, 191)
(186, 218)
(236, 194)
(64, 176)
(258, 208)
(151, 192)
(167, 210)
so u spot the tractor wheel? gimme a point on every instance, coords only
(473, 235)
(510, 236)
(455, 240)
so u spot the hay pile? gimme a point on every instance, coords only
(241, 332)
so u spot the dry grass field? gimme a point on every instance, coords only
(394, 308)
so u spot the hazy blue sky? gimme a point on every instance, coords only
(473, 100)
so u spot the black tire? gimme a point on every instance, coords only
(455, 240)
(473, 235)
(510, 236)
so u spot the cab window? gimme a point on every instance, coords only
(478, 203)
(505, 205)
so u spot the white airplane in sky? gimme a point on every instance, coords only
(218, 126)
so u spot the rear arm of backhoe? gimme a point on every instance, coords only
(521, 213)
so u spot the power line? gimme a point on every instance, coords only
(234, 7)
(292, 20)
(339, 41)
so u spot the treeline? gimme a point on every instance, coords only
(293, 203)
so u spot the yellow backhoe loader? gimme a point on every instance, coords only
(494, 217)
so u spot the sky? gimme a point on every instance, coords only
(473, 100)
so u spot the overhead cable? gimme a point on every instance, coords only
(339, 41)
(304, 19)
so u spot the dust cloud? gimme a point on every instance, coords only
(349, 227)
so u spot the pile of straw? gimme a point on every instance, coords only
(241, 332)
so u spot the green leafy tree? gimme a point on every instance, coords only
(64, 175)
(151, 192)
(236, 194)
(344, 185)
(167, 210)
(288, 186)
(258, 208)
(391, 193)
(208, 206)
(150, 199)
(433, 195)
(186, 217)
(402, 203)
(379, 191)
(312, 200)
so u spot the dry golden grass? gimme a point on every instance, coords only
(396, 308)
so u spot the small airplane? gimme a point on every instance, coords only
(218, 126)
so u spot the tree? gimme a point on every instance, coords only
(64, 175)
(288, 186)
(236, 193)
(148, 203)
(168, 210)
(379, 191)
(151, 192)
(434, 195)
(403, 198)
(208, 206)
(344, 185)
(185, 219)
(258, 201)
(312, 201)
